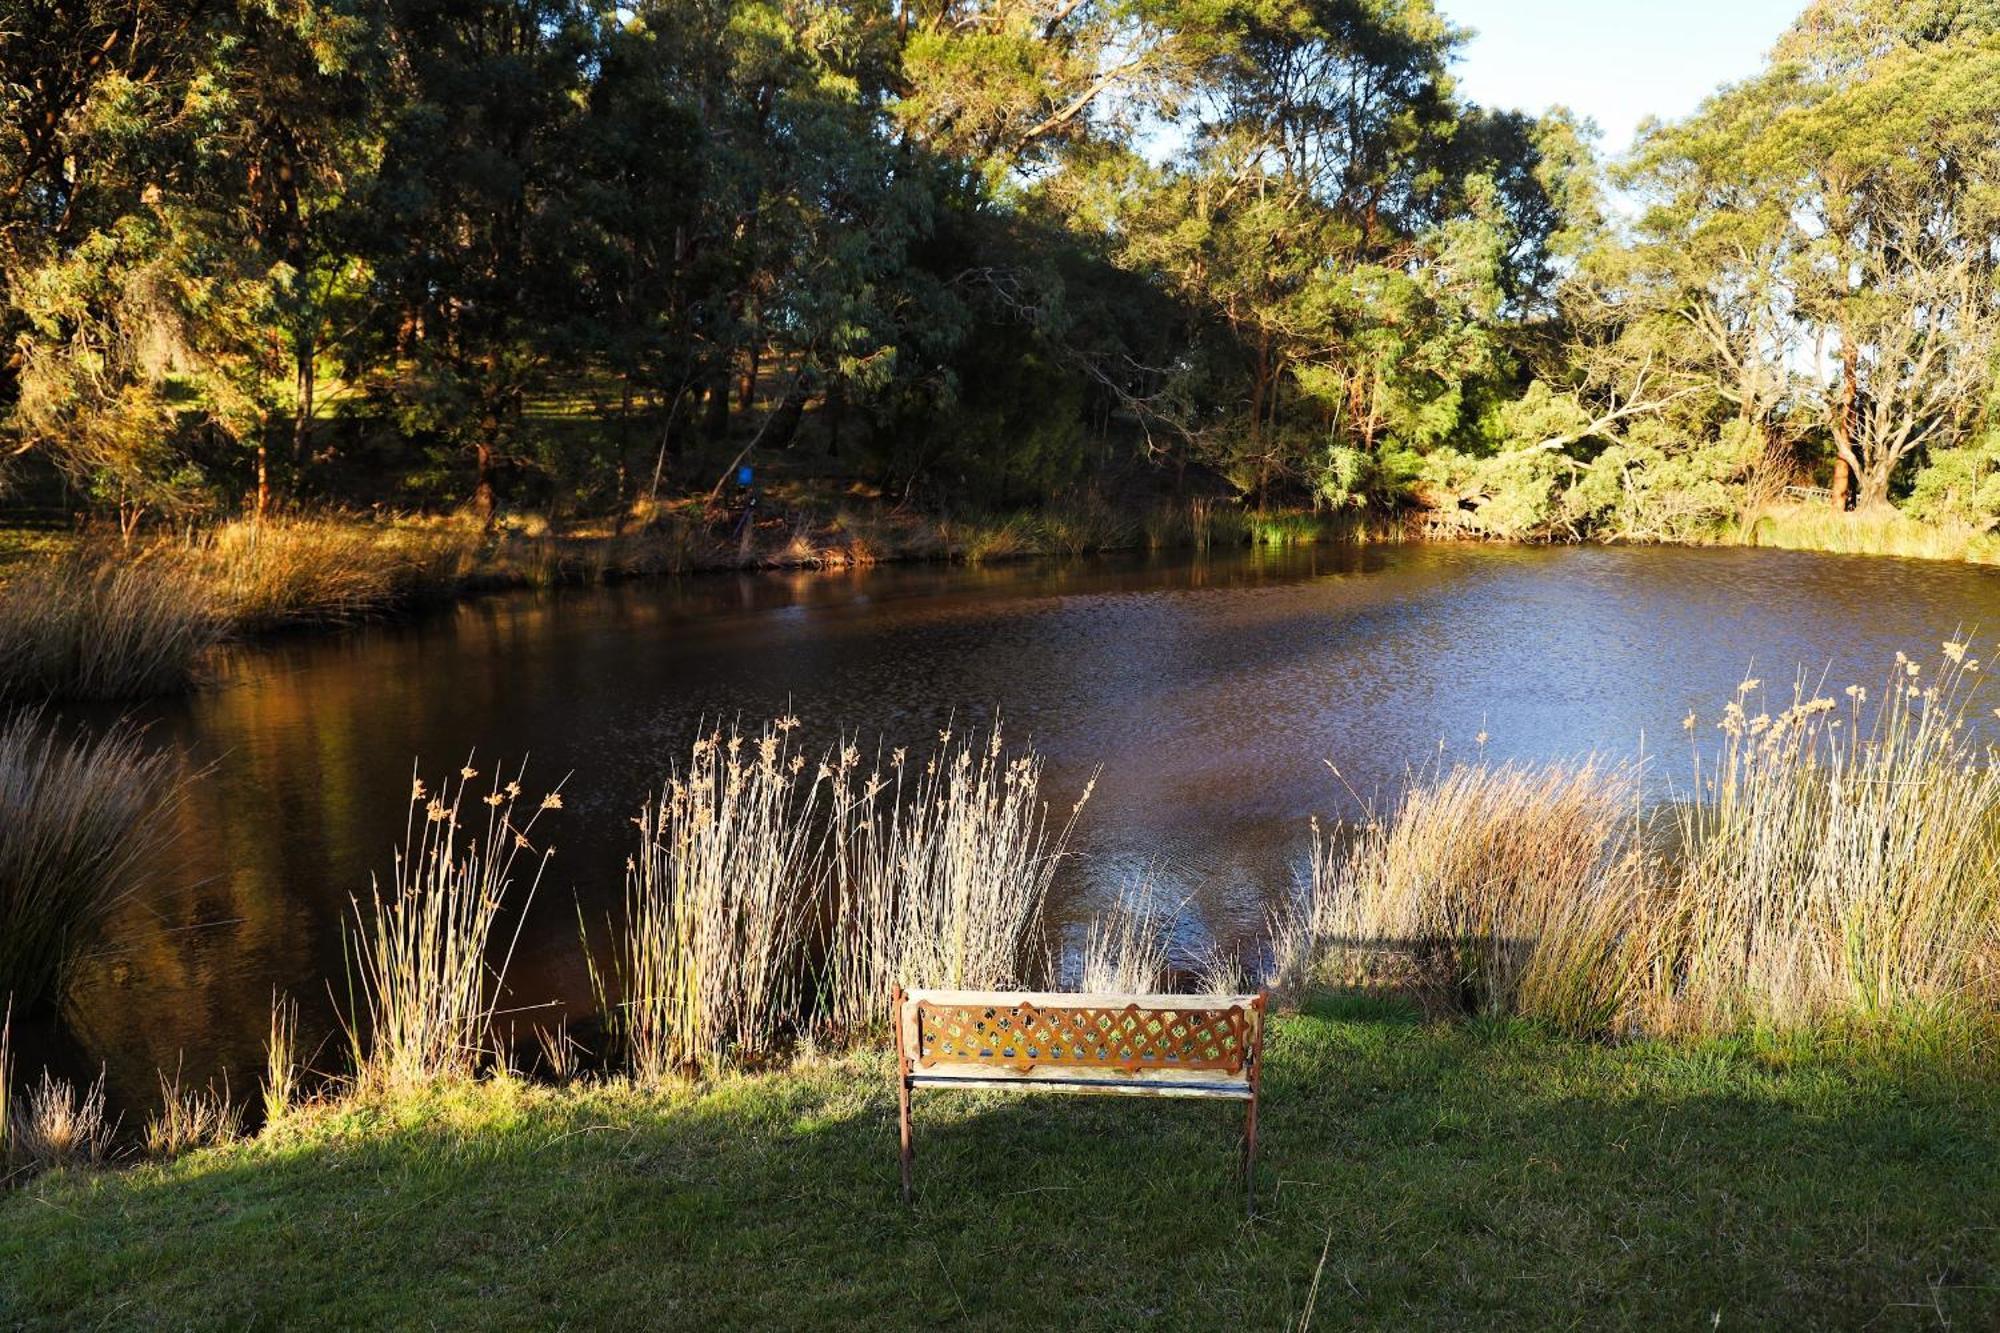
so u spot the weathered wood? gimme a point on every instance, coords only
(1056, 999)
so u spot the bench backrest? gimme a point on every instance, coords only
(1165, 1045)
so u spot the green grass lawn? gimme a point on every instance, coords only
(1449, 1175)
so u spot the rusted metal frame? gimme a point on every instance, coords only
(1255, 1069)
(903, 1087)
(909, 1015)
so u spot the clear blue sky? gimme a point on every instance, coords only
(1615, 61)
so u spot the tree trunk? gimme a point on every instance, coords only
(791, 411)
(484, 502)
(1843, 423)
(746, 387)
(715, 423)
(1874, 492)
(263, 475)
(306, 369)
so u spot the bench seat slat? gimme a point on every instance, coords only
(1237, 1090)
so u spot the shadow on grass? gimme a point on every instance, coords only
(1449, 1176)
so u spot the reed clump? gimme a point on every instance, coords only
(424, 950)
(82, 816)
(941, 871)
(715, 906)
(1125, 950)
(1488, 890)
(1836, 862)
(1884, 531)
(6, 1087)
(269, 574)
(281, 1060)
(772, 899)
(1838, 857)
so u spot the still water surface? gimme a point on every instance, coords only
(1212, 692)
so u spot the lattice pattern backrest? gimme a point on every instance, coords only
(1024, 1035)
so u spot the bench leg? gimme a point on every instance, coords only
(1250, 1158)
(903, 1088)
(908, 1151)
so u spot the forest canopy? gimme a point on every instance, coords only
(982, 252)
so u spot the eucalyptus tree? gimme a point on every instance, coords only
(93, 98)
(1357, 236)
(1823, 235)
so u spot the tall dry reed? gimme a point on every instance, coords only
(1834, 861)
(1839, 856)
(6, 1087)
(709, 961)
(1491, 889)
(424, 951)
(940, 873)
(770, 898)
(1125, 950)
(81, 818)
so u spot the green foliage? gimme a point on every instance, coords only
(565, 253)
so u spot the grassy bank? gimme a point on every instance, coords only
(1805, 527)
(1415, 1175)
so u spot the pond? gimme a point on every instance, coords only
(1213, 693)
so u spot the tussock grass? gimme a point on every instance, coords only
(325, 571)
(61, 1125)
(1490, 890)
(81, 817)
(281, 1059)
(190, 1118)
(422, 951)
(84, 628)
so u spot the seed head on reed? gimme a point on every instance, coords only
(423, 950)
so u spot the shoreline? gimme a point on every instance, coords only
(349, 570)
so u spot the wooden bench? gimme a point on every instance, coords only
(1123, 1045)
